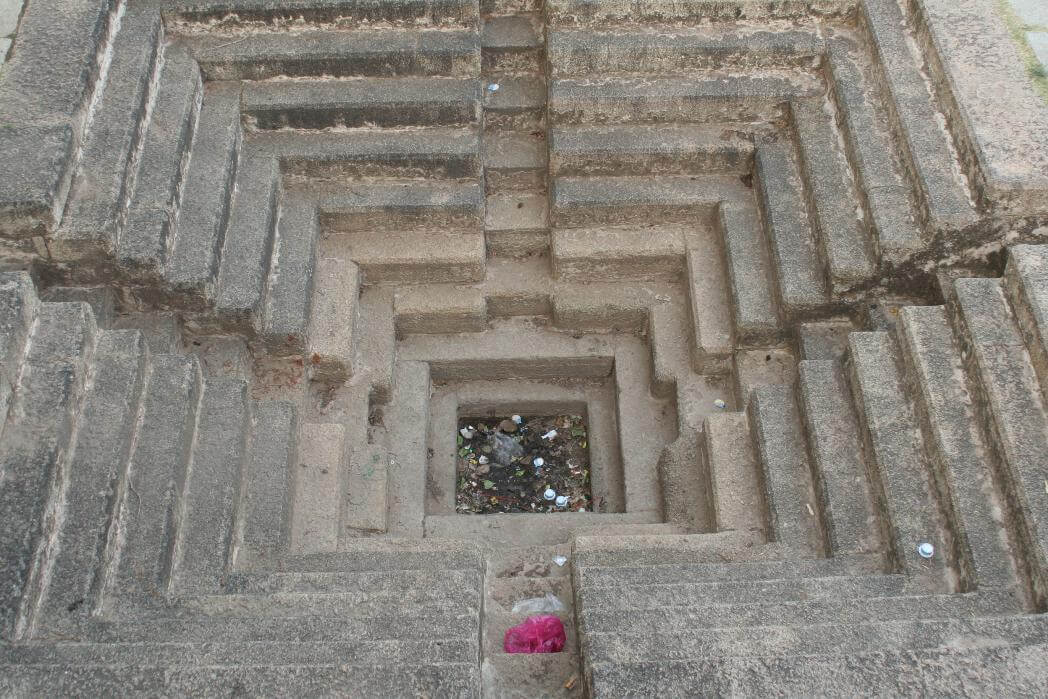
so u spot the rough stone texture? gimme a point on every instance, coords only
(312, 233)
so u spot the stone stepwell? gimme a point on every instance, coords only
(788, 258)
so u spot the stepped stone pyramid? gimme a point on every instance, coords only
(257, 257)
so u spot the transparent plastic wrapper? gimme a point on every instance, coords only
(539, 605)
(537, 634)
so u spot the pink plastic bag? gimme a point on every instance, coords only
(538, 634)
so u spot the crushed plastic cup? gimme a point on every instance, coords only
(537, 634)
(560, 560)
(550, 494)
(538, 605)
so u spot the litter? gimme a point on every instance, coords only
(482, 460)
(560, 560)
(550, 435)
(493, 87)
(562, 501)
(537, 634)
(468, 432)
(537, 605)
(550, 494)
(539, 462)
(719, 404)
(517, 419)
(925, 550)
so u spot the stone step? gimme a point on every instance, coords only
(518, 104)
(688, 594)
(749, 267)
(1026, 279)
(544, 528)
(524, 675)
(97, 456)
(792, 508)
(317, 499)
(840, 235)
(515, 161)
(846, 502)
(19, 305)
(820, 639)
(248, 247)
(927, 148)
(953, 438)
(431, 679)
(384, 582)
(588, 201)
(516, 223)
(898, 472)
(40, 422)
(512, 44)
(151, 212)
(203, 208)
(104, 176)
(675, 49)
(341, 604)
(392, 554)
(880, 182)
(333, 319)
(720, 98)
(589, 576)
(399, 205)
(449, 13)
(735, 493)
(286, 308)
(1011, 407)
(436, 309)
(800, 281)
(266, 501)
(616, 253)
(208, 502)
(686, 12)
(353, 102)
(597, 305)
(432, 152)
(409, 256)
(366, 505)
(720, 547)
(709, 303)
(226, 655)
(371, 52)
(413, 623)
(647, 150)
(757, 615)
(1001, 669)
(138, 561)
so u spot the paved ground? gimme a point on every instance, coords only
(1033, 18)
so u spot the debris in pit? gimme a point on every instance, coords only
(510, 465)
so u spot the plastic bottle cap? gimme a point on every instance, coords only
(562, 500)
(539, 462)
(925, 550)
(550, 494)
(719, 404)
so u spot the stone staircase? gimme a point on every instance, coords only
(257, 258)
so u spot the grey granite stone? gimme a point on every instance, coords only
(267, 483)
(285, 317)
(37, 183)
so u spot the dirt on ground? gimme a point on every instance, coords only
(522, 464)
